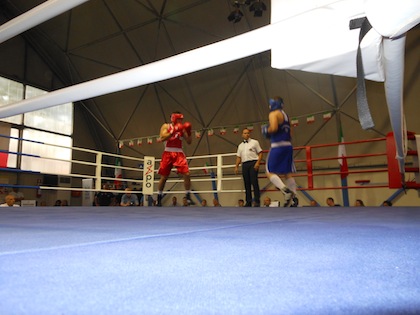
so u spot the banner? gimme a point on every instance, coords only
(88, 196)
(342, 160)
(117, 173)
(148, 175)
(4, 144)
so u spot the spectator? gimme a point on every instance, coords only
(174, 202)
(387, 203)
(204, 203)
(313, 203)
(241, 203)
(104, 198)
(129, 199)
(216, 203)
(185, 202)
(139, 194)
(10, 201)
(3, 193)
(267, 201)
(64, 203)
(359, 203)
(17, 194)
(331, 203)
(57, 203)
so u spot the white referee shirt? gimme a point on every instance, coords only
(248, 150)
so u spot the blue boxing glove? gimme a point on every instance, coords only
(264, 131)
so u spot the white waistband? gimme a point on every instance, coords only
(281, 144)
(172, 149)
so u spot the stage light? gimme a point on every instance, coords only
(258, 7)
(236, 15)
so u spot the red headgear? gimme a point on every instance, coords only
(176, 116)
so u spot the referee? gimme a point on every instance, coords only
(249, 154)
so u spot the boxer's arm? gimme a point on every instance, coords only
(164, 132)
(273, 124)
(187, 138)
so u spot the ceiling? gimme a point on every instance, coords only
(102, 37)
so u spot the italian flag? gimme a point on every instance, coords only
(205, 169)
(327, 116)
(310, 119)
(117, 172)
(342, 160)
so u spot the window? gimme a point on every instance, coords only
(11, 92)
(56, 119)
(57, 123)
(43, 150)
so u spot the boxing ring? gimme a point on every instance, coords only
(373, 167)
(209, 260)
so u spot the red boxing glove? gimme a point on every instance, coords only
(187, 126)
(178, 128)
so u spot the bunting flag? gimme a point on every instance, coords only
(205, 169)
(294, 122)
(310, 119)
(117, 173)
(342, 160)
(327, 116)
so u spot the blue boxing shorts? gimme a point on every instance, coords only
(280, 160)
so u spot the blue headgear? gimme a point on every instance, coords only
(276, 104)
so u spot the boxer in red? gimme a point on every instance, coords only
(173, 156)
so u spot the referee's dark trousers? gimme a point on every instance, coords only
(250, 176)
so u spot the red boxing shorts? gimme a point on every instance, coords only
(173, 159)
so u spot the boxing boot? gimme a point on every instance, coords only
(159, 201)
(288, 196)
(190, 202)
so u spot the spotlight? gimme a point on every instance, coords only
(258, 7)
(236, 15)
